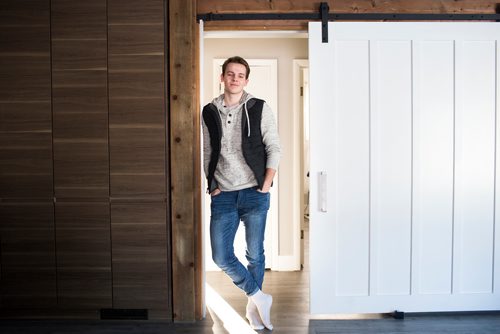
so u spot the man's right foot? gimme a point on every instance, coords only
(253, 316)
(263, 302)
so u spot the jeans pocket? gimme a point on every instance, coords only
(263, 200)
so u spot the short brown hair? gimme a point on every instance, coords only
(237, 60)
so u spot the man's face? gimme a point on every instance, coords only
(234, 78)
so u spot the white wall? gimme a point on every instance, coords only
(285, 50)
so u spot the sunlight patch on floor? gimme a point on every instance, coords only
(231, 320)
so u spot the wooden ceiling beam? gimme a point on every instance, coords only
(337, 6)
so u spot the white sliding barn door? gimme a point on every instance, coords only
(404, 215)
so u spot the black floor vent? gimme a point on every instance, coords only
(124, 314)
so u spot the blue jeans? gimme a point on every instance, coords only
(228, 209)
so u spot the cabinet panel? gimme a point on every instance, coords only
(28, 255)
(140, 272)
(83, 255)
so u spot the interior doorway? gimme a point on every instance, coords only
(289, 49)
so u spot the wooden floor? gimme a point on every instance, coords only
(479, 324)
(289, 316)
(290, 311)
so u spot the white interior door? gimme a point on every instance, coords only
(263, 84)
(403, 123)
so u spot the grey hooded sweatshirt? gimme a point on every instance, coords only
(232, 172)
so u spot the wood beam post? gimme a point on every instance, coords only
(185, 160)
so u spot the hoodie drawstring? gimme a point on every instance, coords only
(248, 118)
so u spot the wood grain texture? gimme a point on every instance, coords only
(26, 153)
(136, 39)
(54, 74)
(128, 12)
(337, 6)
(137, 112)
(83, 242)
(25, 40)
(79, 19)
(372, 6)
(25, 150)
(81, 168)
(15, 13)
(145, 144)
(136, 94)
(81, 157)
(146, 187)
(137, 127)
(19, 116)
(138, 161)
(183, 147)
(421, 6)
(28, 255)
(140, 280)
(26, 186)
(79, 54)
(136, 84)
(184, 154)
(26, 164)
(419, 324)
(90, 126)
(256, 25)
(78, 78)
(25, 77)
(130, 63)
(81, 100)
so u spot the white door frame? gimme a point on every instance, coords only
(299, 172)
(288, 262)
(282, 263)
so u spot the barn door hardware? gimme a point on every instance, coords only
(323, 12)
(322, 15)
(325, 16)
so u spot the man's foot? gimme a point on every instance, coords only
(263, 303)
(253, 316)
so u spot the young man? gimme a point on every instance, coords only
(241, 156)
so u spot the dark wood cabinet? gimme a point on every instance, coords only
(83, 209)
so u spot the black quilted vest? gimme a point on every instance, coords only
(252, 146)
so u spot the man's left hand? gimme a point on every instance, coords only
(265, 189)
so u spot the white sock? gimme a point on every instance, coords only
(253, 315)
(263, 303)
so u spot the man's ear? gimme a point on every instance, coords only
(222, 77)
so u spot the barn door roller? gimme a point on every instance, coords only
(323, 12)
